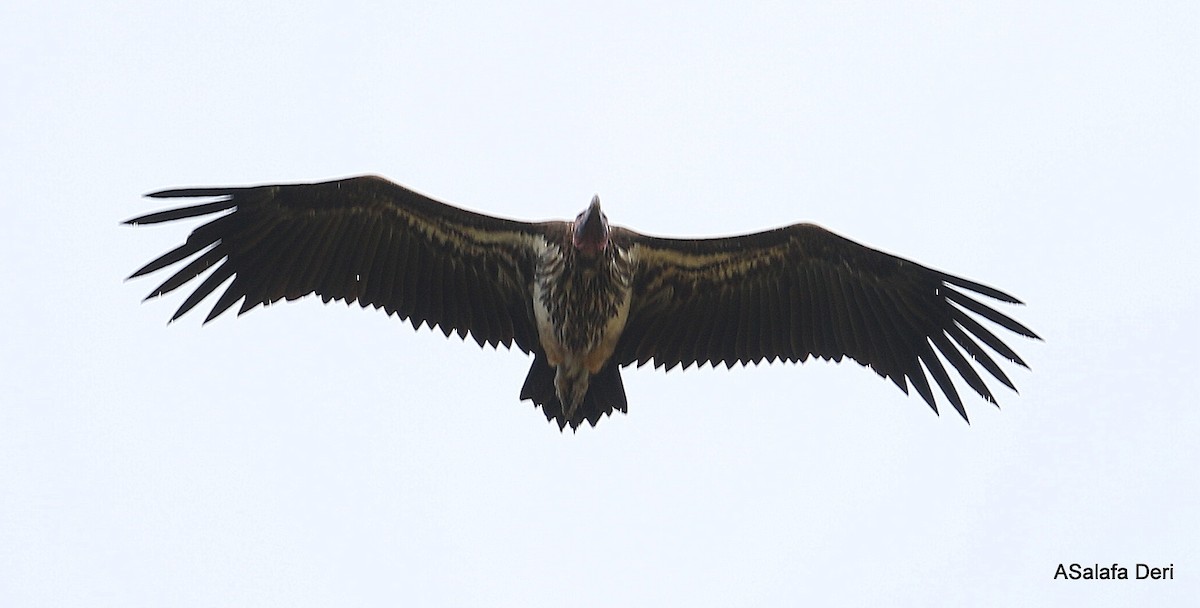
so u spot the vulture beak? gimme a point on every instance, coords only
(591, 230)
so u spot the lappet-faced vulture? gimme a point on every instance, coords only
(586, 298)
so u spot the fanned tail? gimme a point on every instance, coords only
(606, 392)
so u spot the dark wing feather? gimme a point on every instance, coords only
(801, 290)
(361, 239)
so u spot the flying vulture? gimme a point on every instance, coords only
(586, 298)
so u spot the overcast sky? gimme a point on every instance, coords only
(315, 455)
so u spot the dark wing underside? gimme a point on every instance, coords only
(803, 291)
(361, 239)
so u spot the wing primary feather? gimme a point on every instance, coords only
(916, 376)
(980, 288)
(189, 272)
(981, 332)
(960, 363)
(234, 292)
(177, 254)
(180, 213)
(934, 365)
(990, 314)
(977, 353)
(218, 276)
(202, 192)
(207, 235)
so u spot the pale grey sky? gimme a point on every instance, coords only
(311, 455)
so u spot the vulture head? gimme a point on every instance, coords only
(590, 233)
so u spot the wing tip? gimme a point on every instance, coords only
(979, 288)
(191, 192)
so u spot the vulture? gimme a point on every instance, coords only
(586, 298)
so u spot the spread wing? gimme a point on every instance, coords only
(361, 239)
(803, 291)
